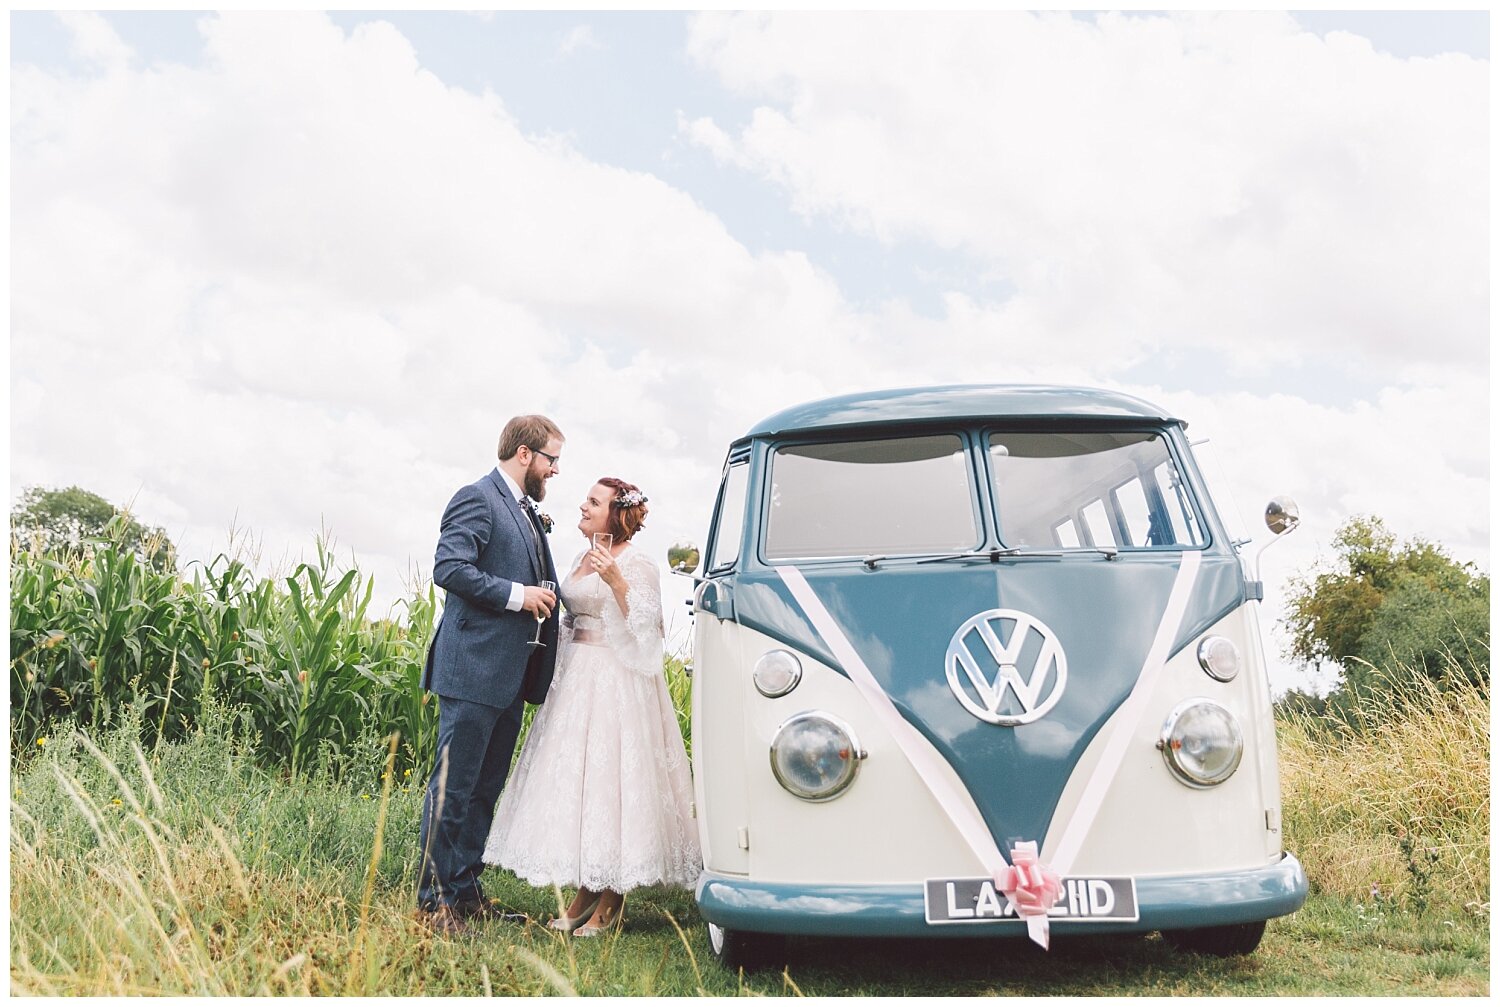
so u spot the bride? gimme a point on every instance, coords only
(600, 796)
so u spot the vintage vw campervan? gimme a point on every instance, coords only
(980, 659)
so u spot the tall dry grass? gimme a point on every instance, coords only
(196, 871)
(1393, 802)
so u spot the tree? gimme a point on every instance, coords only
(1442, 633)
(67, 520)
(1382, 611)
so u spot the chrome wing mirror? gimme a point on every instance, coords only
(1283, 518)
(1282, 515)
(683, 558)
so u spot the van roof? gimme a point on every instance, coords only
(948, 402)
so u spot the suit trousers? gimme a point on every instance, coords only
(474, 749)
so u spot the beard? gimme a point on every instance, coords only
(535, 483)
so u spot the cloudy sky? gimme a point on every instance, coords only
(292, 271)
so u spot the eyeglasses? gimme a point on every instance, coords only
(551, 459)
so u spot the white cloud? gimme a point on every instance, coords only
(579, 38)
(706, 133)
(307, 281)
(1144, 181)
(94, 42)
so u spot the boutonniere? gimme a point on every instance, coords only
(543, 518)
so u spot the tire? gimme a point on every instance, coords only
(1222, 942)
(742, 949)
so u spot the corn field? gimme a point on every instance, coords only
(313, 677)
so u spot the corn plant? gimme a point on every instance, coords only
(300, 654)
(679, 674)
(315, 676)
(404, 708)
(88, 633)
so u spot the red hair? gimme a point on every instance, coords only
(624, 521)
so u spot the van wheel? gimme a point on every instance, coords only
(743, 949)
(1223, 942)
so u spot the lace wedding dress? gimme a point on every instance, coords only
(601, 793)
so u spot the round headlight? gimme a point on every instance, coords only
(814, 756)
(1202, 743)
(1219, 657)
(776, 673)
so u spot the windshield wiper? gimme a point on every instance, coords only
(989, 555)
(1016, 552)
(1108, 551)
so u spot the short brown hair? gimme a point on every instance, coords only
(534, 431)
(624, 522)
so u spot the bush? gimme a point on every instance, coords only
(1383, 611)
(1443, 634)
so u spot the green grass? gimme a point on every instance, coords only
(196, 870)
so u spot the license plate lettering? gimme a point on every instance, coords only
(976, 900)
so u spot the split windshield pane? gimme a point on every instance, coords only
(891, 497)
(1082, 489)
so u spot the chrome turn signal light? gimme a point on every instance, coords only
(776, 673)
(1219, 657)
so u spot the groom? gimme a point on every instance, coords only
(491, 552)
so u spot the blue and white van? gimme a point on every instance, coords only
(938, 628)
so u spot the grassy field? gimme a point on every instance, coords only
(1398, 802)
(196, 870)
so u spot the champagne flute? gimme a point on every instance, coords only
(536, 641)
(603, 540)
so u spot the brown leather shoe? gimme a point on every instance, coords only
(486, 910)
(444, 921)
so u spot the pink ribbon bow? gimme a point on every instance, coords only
(1032, 888)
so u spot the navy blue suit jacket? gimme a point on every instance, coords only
(479, 651)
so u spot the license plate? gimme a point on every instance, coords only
(976, 900)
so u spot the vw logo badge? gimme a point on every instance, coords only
(985, 660)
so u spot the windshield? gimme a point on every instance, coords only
(880, 497)
(1083, 489)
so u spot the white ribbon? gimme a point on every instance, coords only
(1127, 719)
(956, 802)
(934, 770)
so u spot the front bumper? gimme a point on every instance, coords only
(1166, 903)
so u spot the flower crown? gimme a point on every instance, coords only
(632, 498)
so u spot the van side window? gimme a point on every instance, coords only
(1130, 501)
(729, 526)
(1096, 519)
(1174, 502)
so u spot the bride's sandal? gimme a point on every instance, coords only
(615, 922)
(569, 924)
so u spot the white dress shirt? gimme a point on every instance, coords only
(517, 589)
